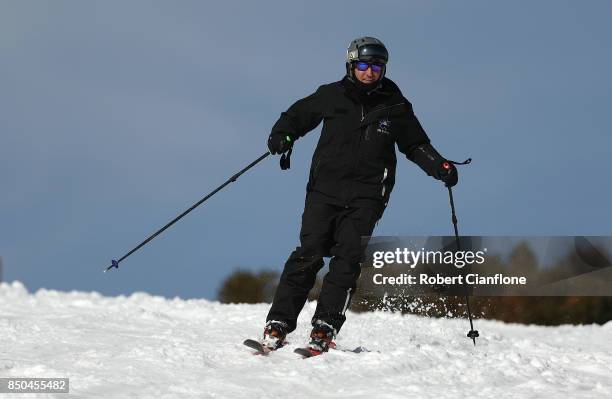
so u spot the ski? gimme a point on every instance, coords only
(304, 352)
(257, 346)
(359, 349)
(308, 352)
(260, 348)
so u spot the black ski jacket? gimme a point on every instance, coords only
(354, 161)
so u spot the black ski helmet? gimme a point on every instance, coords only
(367, 49)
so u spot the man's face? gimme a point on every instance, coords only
(368, 76)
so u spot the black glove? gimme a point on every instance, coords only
(447, 172)
(279, 143)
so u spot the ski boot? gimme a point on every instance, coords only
(321, 340)
(275, 334)
(273, 338)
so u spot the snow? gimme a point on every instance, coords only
(143, 346)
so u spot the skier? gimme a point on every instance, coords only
(351, 177)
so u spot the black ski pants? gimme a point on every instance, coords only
(327, 230)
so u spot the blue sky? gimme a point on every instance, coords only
(116, 116)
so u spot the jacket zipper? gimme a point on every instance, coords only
(381, 109)
(384, 187)
(363, 116)
(316, 169)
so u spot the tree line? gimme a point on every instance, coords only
(245, 286)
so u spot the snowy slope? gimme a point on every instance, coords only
(149, 347)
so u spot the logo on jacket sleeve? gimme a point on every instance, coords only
(383, 126)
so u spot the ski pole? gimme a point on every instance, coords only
(472, 333)
(115, 263)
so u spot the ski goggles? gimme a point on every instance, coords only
(363, 66)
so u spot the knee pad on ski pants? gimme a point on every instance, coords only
(345, 275)
(348, 253)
